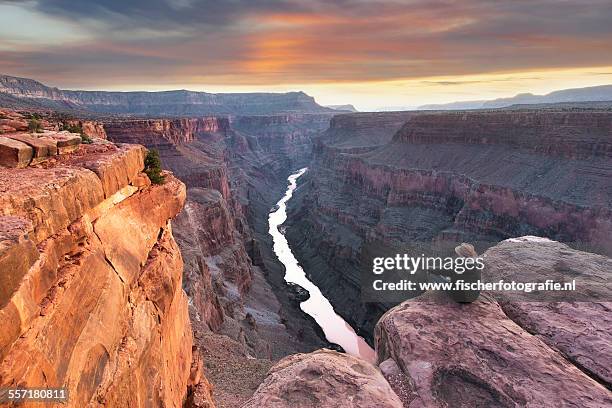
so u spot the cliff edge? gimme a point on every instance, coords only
(91, 276)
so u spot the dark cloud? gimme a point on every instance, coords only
(291, 41)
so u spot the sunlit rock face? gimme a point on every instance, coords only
(411, 179)
(95, 302)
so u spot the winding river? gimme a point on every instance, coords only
(336, 329)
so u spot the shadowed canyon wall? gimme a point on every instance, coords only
(234, 169)
(28, 93)
(474, 177)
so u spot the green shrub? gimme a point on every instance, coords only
(153, 167)
(35, 126)
(73, 128)
(77, 129)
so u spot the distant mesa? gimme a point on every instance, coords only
(602, 93)
(19, 93)
(343, 108)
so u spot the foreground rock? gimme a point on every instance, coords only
(324, 379)
(91, 295)
(577, 323)
(473, 355)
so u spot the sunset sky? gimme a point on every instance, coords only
(372, 54)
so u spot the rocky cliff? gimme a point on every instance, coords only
(495, 352)
(91, 280)
(476, 177)
(232, 168)
(167, 103)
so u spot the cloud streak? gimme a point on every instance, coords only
(266, 42)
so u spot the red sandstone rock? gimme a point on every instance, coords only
(17, 254)
(467, 355)
(14, 153)
(42, 147)
(113, 337)
(578, 323)
(323, 379)
(66, 142)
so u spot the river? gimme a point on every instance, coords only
(336, 329)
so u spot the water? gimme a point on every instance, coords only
(336, 329)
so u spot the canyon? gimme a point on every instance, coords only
(27, 93)
(422, 182)
(182, 300)
(234, 170)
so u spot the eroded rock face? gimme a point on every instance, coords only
(96, 304)
(324, 379)
(504, 350)
(387, 180)
(473, 355)
(579, 323)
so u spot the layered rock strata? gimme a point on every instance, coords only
(448, 177)
(28, 93)
(91, 281)
(231, 167)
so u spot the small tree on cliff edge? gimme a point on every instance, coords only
(153, 167)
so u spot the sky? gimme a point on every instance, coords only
(370, 53)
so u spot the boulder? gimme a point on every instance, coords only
(42, 147)
(473, 355)
(14, 153)
(323, 379)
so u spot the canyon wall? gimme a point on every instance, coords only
(30, 93)
(494, 352)
(234, 169)
(446, 178)
(92, 296)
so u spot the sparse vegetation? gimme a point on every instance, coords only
(77, 128)
(73, 128)
(153, 167)
(35, 126)
(32, 115)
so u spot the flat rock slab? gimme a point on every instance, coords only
(43, 146)
(473, 355)
(66, 142)
(14, 153)
(577, 323)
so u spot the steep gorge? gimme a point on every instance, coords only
(234, 169)
(376, 181)
(421, 179)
